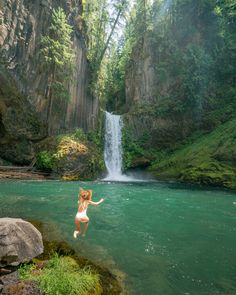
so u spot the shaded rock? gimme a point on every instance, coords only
(10, 278)
(21, 288)
(20, 241)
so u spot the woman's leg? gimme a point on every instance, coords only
(77, 224)
(85, 228)
(77, 231)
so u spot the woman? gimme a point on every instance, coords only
(85, 199)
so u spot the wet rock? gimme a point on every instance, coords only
(20, 241)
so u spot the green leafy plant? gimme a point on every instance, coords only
(45, 161)
(79, 134)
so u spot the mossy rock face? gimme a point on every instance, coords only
(210, 175)
(19, 123)
(210, 159)
(18, 152)
(143, 133)
(72, 158)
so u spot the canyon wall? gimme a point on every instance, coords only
(22, 25)
(24, 81)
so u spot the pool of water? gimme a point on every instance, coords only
(168, 239)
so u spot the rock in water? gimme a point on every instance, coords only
(20, 241)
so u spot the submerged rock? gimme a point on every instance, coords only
(20, 241)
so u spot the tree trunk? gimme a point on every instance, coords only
(50, 102)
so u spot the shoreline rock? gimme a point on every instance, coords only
(20, 241)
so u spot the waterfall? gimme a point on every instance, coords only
(113, 146)
(113, 151)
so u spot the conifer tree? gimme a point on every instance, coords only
(58, 57)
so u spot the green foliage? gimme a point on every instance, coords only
(72, 156)
(59, 90)
(57, 54)
(90, 137)
(132, 149)
(192, 48)
(208, 159)
(25, 271)
(63, 276)
(95, 137)
(102, 19)
(45, 161)
(96, 17)
(79, 134)
(56, 47)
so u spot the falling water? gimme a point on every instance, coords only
(113, 146)
(113, 151)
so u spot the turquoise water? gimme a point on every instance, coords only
(167, 239)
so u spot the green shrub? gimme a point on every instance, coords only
(63, 276)
(79, 134)
(95, 137)
(45, 161)
(132, 149)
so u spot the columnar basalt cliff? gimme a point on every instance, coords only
(144, 98)
(24, 81)
(22, 25)
(180, 103)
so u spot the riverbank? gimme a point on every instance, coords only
(24, 175)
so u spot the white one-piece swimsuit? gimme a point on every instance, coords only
(83, 213)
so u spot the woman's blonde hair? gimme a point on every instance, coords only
(85, 194)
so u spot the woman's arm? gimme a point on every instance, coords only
(96, 203)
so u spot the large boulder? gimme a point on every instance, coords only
(20, 241)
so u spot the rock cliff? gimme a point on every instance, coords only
(178, 141)
(24, 82)
(145, 95)
(22, 24)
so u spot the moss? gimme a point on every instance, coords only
(134, 152)
(210, 159)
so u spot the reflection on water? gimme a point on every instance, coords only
(168, 239)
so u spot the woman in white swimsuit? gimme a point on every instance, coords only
(85, 197)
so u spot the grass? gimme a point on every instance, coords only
(63, 276)
(210, 159)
